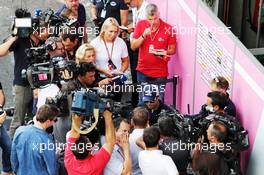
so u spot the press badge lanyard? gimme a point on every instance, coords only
(152, 38)
(105, 3)
(103, 12)
(109, 54)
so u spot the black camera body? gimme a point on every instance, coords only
(57, 22)
(37, 55)
(39, 75)
(191, 128)
(9, 111)
(44, 70)
(23, 23)
(237, 135)
(40, 71)
(61, 102)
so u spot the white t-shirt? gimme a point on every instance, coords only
(43, 93)
(119, 52)
(135, 150)
(155, 163)
(139, 14)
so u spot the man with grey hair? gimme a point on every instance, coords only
(156, 41)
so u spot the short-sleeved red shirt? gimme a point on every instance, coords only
(148, 63)
(92, 165)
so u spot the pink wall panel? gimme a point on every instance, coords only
(222, 36)
(246, 62)
(192, 4)
(183, 62)
(191, 88)
(249, 103)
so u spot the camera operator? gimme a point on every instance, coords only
(85, 79)
(4, 47)
(70, 42)
(79, 158)
(153, 103)
(237, 136)
(55, 50)
(21, 89)
(5, 142)
(171, 144)
(211, 161)
(77, 11)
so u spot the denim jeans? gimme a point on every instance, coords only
(142, 78)
(5, 144)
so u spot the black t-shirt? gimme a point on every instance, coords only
(230, 108)
(113, 8)
(21, 62)
(212, 163)
(177, 150)
(75, 84)
(1, 88)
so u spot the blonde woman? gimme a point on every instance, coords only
(111, 51)
(87, 53)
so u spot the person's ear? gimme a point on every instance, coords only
(147, 126)
(76, 41)
(158, 14)
(216, 107)
(132, 122)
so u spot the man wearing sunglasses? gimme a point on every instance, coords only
(153, 103)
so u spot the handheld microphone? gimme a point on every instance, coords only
(119, 79)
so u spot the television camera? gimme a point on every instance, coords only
(24, 24)
(191, 128)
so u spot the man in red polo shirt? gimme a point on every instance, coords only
(156, 41)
